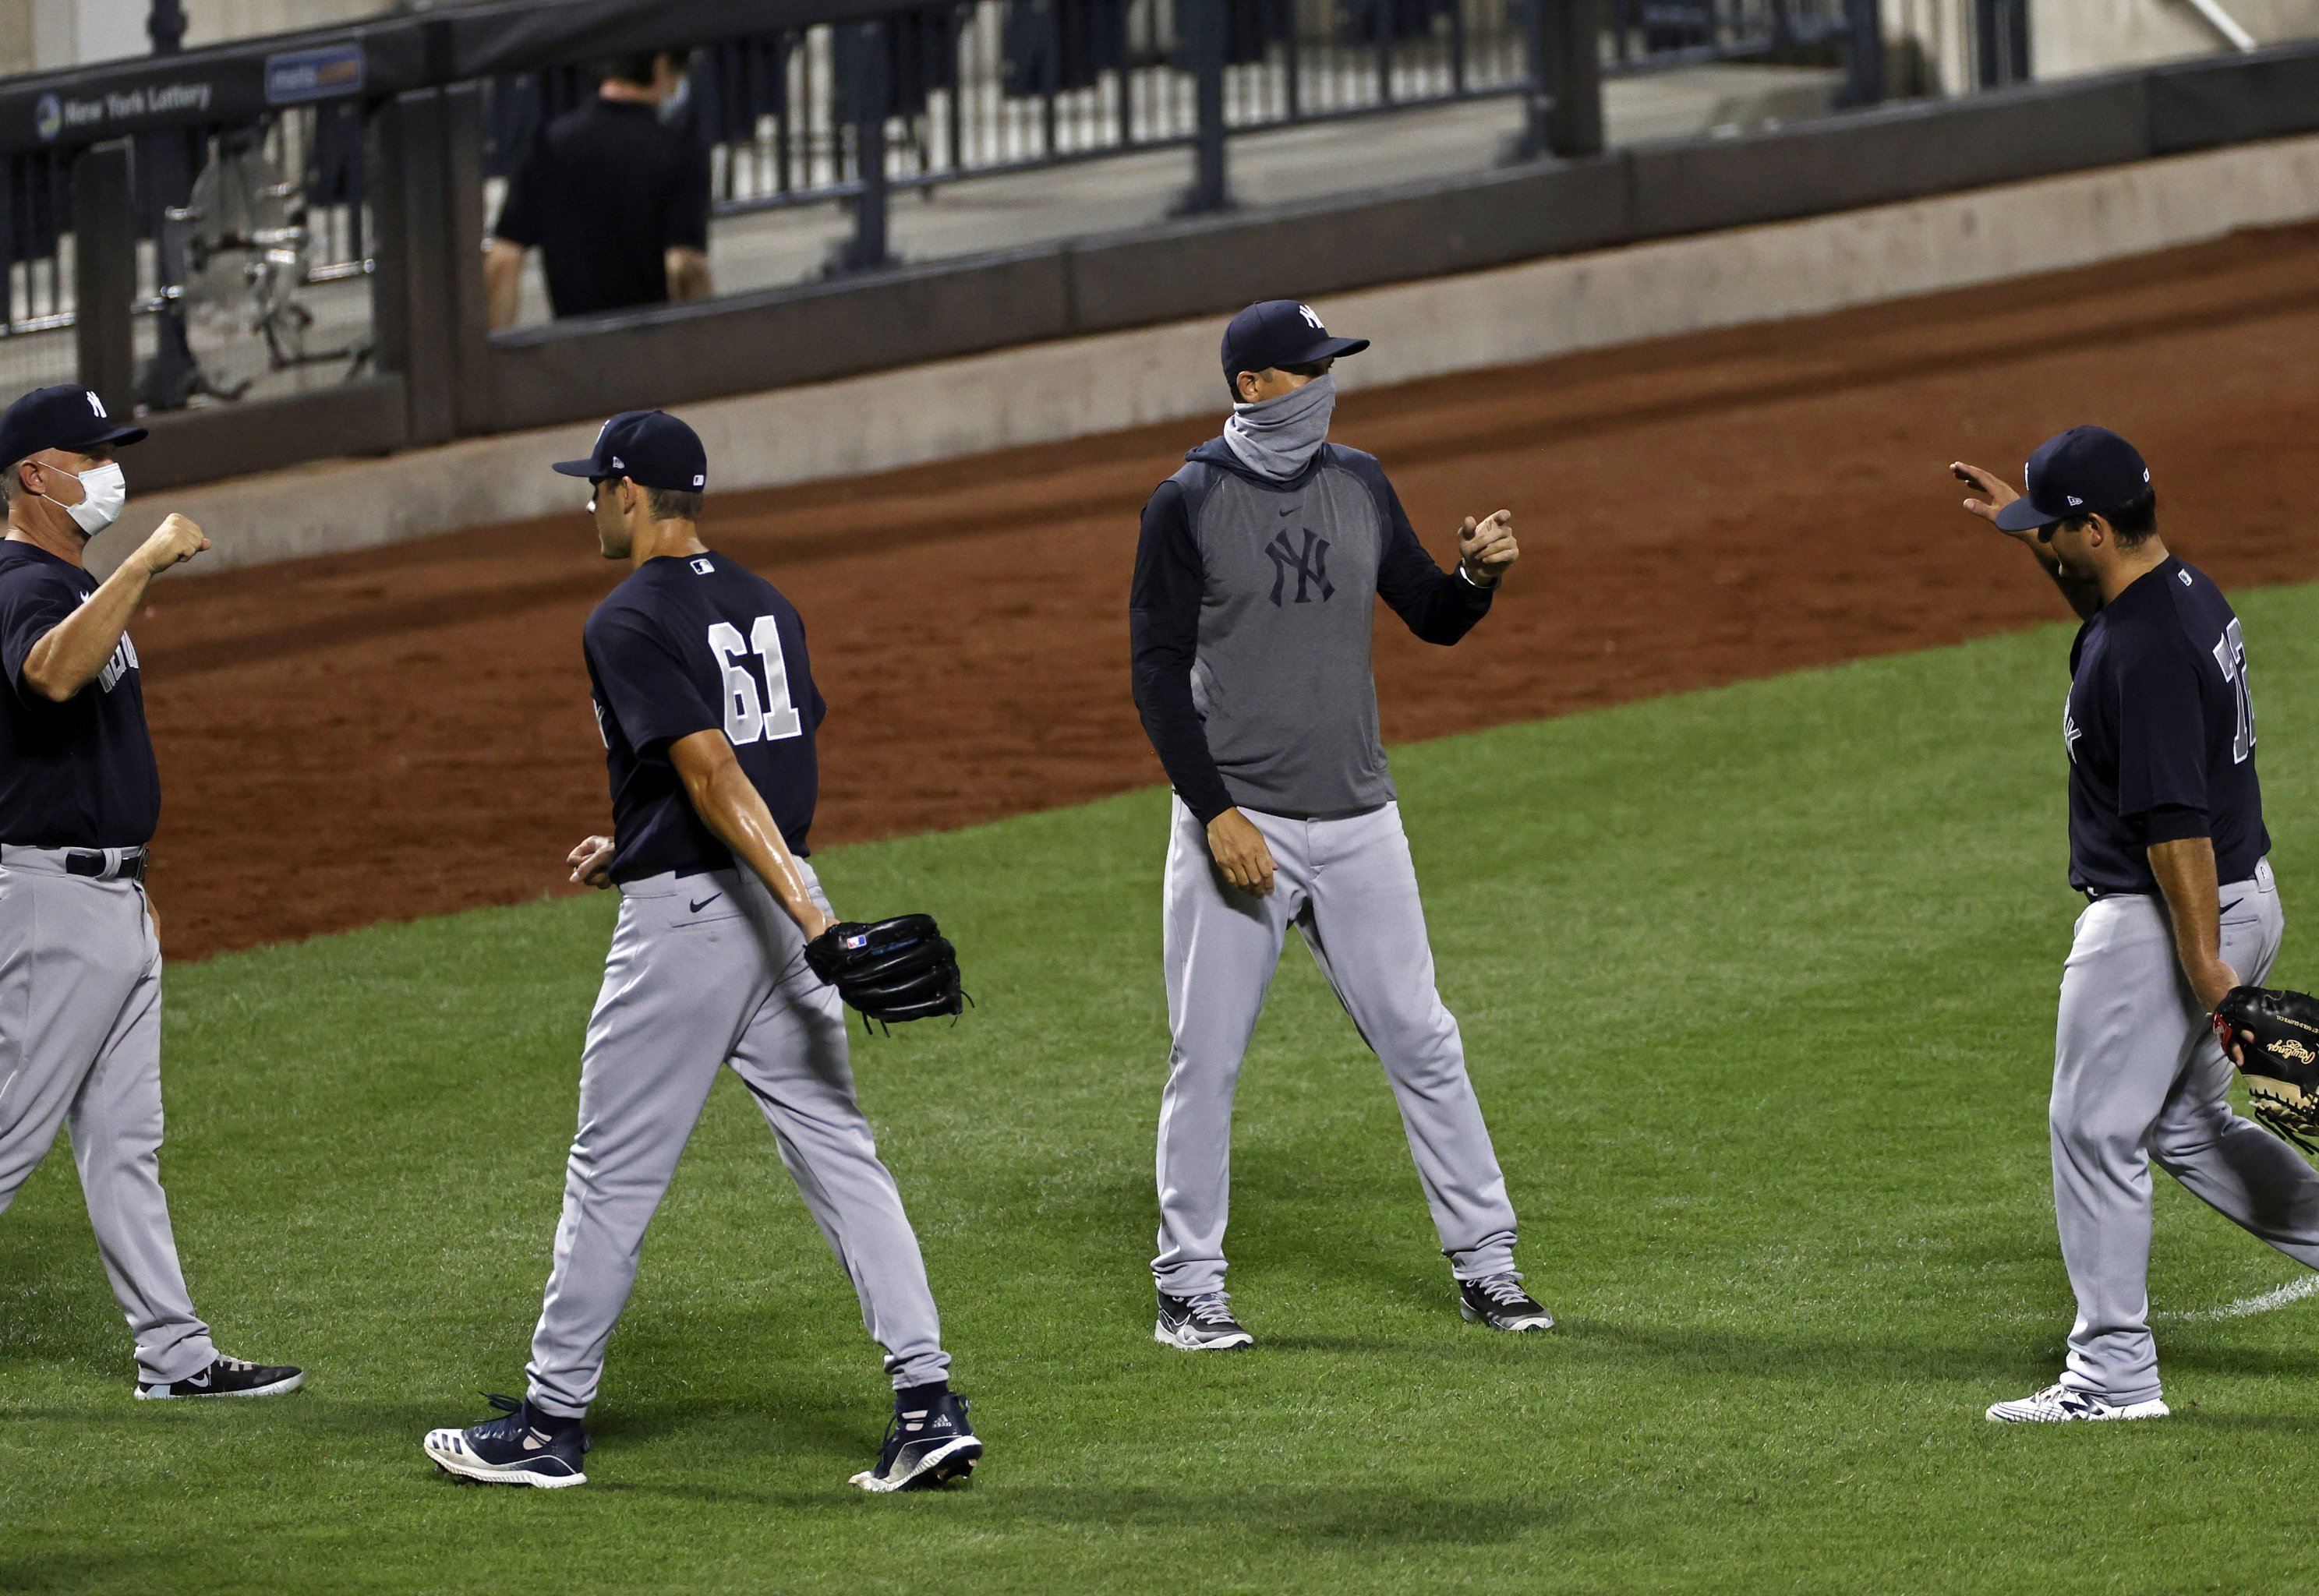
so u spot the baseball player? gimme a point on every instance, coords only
(1256, 578)
(708, 708)
(80, 957)
(2167, 843)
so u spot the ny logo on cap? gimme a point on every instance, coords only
(1306, 311)
(97, 405)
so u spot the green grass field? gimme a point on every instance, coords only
(1758, 986)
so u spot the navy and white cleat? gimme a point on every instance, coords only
(1202, 1323)
(524, 1446)
(1500, 1302)
(2062, 1404)
(925, 1447)
(228, 1376)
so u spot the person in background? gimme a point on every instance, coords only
(615, 199)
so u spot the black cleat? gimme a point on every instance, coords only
(925, 1447)
(1499, 1302)
(1202, 1323)
(525, 1447)
(228, 1376)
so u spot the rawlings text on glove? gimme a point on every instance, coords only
(2276, 1037)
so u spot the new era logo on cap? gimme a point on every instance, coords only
(651, 448)
(2086, 470)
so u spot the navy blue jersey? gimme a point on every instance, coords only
(79, 774)
(2160, 732)
(689, 643)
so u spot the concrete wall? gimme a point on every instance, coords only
(40, 35)
(1933, 38)
(209, 21)
(72, 32)
(1072, 387)
(2070, 36)
(15, 36)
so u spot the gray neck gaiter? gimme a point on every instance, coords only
(1277, 438)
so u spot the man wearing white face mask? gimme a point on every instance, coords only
(1256, 582)
(81, 961)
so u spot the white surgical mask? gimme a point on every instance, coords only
(103, 489)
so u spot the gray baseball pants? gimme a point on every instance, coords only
(2138, 1076)
(80, 1046)
(705, 971)
(1350, 886)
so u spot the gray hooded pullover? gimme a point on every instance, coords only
(1249, 619)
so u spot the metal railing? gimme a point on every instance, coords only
(939, 94)
(1001, 86)
(204, 326)
(989, 87)
(256, 230)
(36, 271)
(1652, 35)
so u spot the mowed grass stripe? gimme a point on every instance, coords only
(1757, 985)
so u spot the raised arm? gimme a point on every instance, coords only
(1440, 605)
(68, 658)
(2083, 594)
(730, 806)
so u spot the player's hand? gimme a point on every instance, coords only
(1240, 853)
(1487, 550)
(174, 542)
(2000, 493)
(2212, 982)
(589, 862)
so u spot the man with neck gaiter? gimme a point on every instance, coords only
(1256, 582)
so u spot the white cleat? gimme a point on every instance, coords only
(523, 1446)
(2062, 1404)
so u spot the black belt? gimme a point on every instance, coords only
(98, 863)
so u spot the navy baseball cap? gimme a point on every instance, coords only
(2086, 471)
(1280, 332)
(65, 417)
(651, 448)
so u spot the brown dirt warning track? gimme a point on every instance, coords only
(389, 734)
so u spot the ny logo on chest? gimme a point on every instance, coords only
(1311, 564)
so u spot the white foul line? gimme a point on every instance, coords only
(2278, 1296)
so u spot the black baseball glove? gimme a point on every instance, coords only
(2273, 1036)
(901, 969)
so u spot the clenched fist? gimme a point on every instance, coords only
(174, 542)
